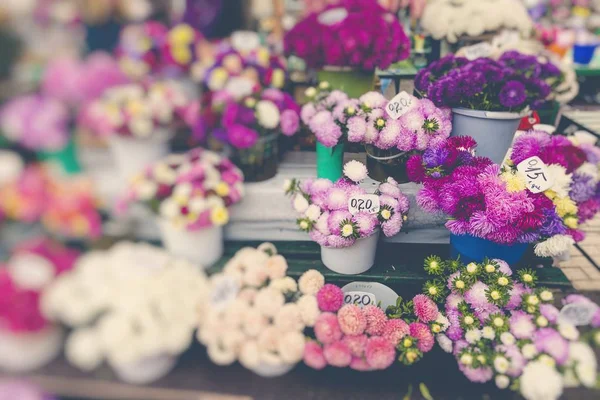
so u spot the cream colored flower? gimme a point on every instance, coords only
(291, 347)
(255, 275)
(221, 356)
(268, 248)
(277, 267)
(267, 114)
(285, 285)
(254, 322)
(269, 338)
(250, 354)
(83, 349)
(309, 309)
(311, 282)
(269, 301)
(289, 319)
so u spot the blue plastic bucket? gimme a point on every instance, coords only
(473, 249)
(583, 53)
(492, 130)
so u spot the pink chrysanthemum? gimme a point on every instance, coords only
(356, 344)
(392, 226)
(425, 309)
(394, 330)
(319, 238)
(516, 294)
(357, 126)
(549, 341)
(360, 364)
(330, 298)
(376, 320)
(337, 354)
(352, 320)
(517, 361)
(549, 312)
(479, 375)
(367, 223)
(424, 336)
(337, 199)
(327, 329)
(380, 353)
(521, 325)
(313, 356)
(476, 296)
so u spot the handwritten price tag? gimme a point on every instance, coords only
(333, 16)
(399, 105)
(577, 314)
(225, 290)
(479, 50)
(536, 174)
(361, 299)
(368, 203)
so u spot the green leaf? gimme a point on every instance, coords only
(425, 391)
(408, 394)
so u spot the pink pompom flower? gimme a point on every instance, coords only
(337, 354)
(330, 298)
(380, 353)
(313, 356)
(423, 334)
(327, 328)
(425, 309)
(376, 320)
(351, 319)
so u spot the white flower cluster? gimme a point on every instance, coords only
(256, 314)
(126, 304)
(452, 19)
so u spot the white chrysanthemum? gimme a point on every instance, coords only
(313, 212)
(582, 356)
(254, 322)
(529, 351)
(141, 127)
(83, 349)
(507, 338)
(250, 354)
(473, 335)
(284, 285)
(590, 170)
(488, 332)
(255, 275)
(269, 301)
(311, 282)
(309, 309)
(502, 381)
(561, 180)
(443, 321)
(287, 184)
(221, 356)
(288, 318)
(30, 271)
(300, 203)
(373, 99)
(355, 171)
(164, 174)
(501, 364)
(267, 114)
(170, 209)
(554, 246)
(12, 165)
(568, 331)
(268, 339)
(540, 382)
(444, 342)
(291, 347)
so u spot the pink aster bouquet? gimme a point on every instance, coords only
(368, 338)
(257, 315)
(354, 33)
(504, 329)
(140, 110)
(481, 200)
(323, 207)
(35, 122)
(251, 124)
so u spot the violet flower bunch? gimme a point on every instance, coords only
(503, 328)
(512, 83)
(354, 33)
(35, 122)
(241, 122)
(584, 179)
(324, 213)
(477, 199)
(327, 113)
(423, 126)
(369, 338)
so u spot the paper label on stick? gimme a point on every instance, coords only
(382, 296)
(577, 314)
(368, 203)
(479, 50)
(225, 290)
(400, 105)
(361, 299)
(537, 176)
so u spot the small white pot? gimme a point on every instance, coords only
(203, 247)
(352, 260)
(132, 155)
(272, 371)
(146, 370)
(24, 352)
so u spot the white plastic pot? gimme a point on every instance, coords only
(146, 370)
(203, 247)
(272, 371)
(493, 131)
(24, 352)
(352, 260)
(132, 155)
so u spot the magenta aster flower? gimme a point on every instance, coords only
(549, 312)
(241, 136)
(367, 223)
(337, 354)
(392, 226)
(290, 122)
(394, 330)
(521, 325)
(380, 353)
(330, 298)
(313, 356)
(516, 295)
(424, 336)
(357, 126)
(376, 320)
(425, 309)
(352, 320)
(327, 328)
(512, 94)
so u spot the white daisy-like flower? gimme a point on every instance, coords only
(291, 347)
(83, 349)
(284, 285)
(473, 335)
(488, 332)
(164, 174)
(269, 301)
(197, 205)
(540, 382)
(170, 209)
(30, 271)
(554, 246)
(12, 166)
(501, 364)
(568, 331)
(443, 321)
(355, 171)
(267, 114)
(561, 180)
(300, 203)
(313, 212)
(309, 309)
(311, 282)
(288, 318)
(507, 339)
(146, 189)
(444, 342)
(141, 127)
(502, 381)
(529, 351)
(582, 356)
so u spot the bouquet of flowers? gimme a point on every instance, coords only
(354, 33)
(139, 48)
(35, 122)
(179, 50)
(504, 329)
(451, 20)
(481, 200)
(368, 338)
(585, 189)
(192, 191)
(97, 298)
(24, 198)
(323, 207)
(257, 314)
(512, 83)
(259, 65)
(140, 110)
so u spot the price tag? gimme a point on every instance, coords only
(361, 299)
(578, 314)
(368, 203)
(479, 50)
(225, 289)
(245, 41)
(536, 174)
(506, 38)
(377, 293)
(333, 16)
(400, 105)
